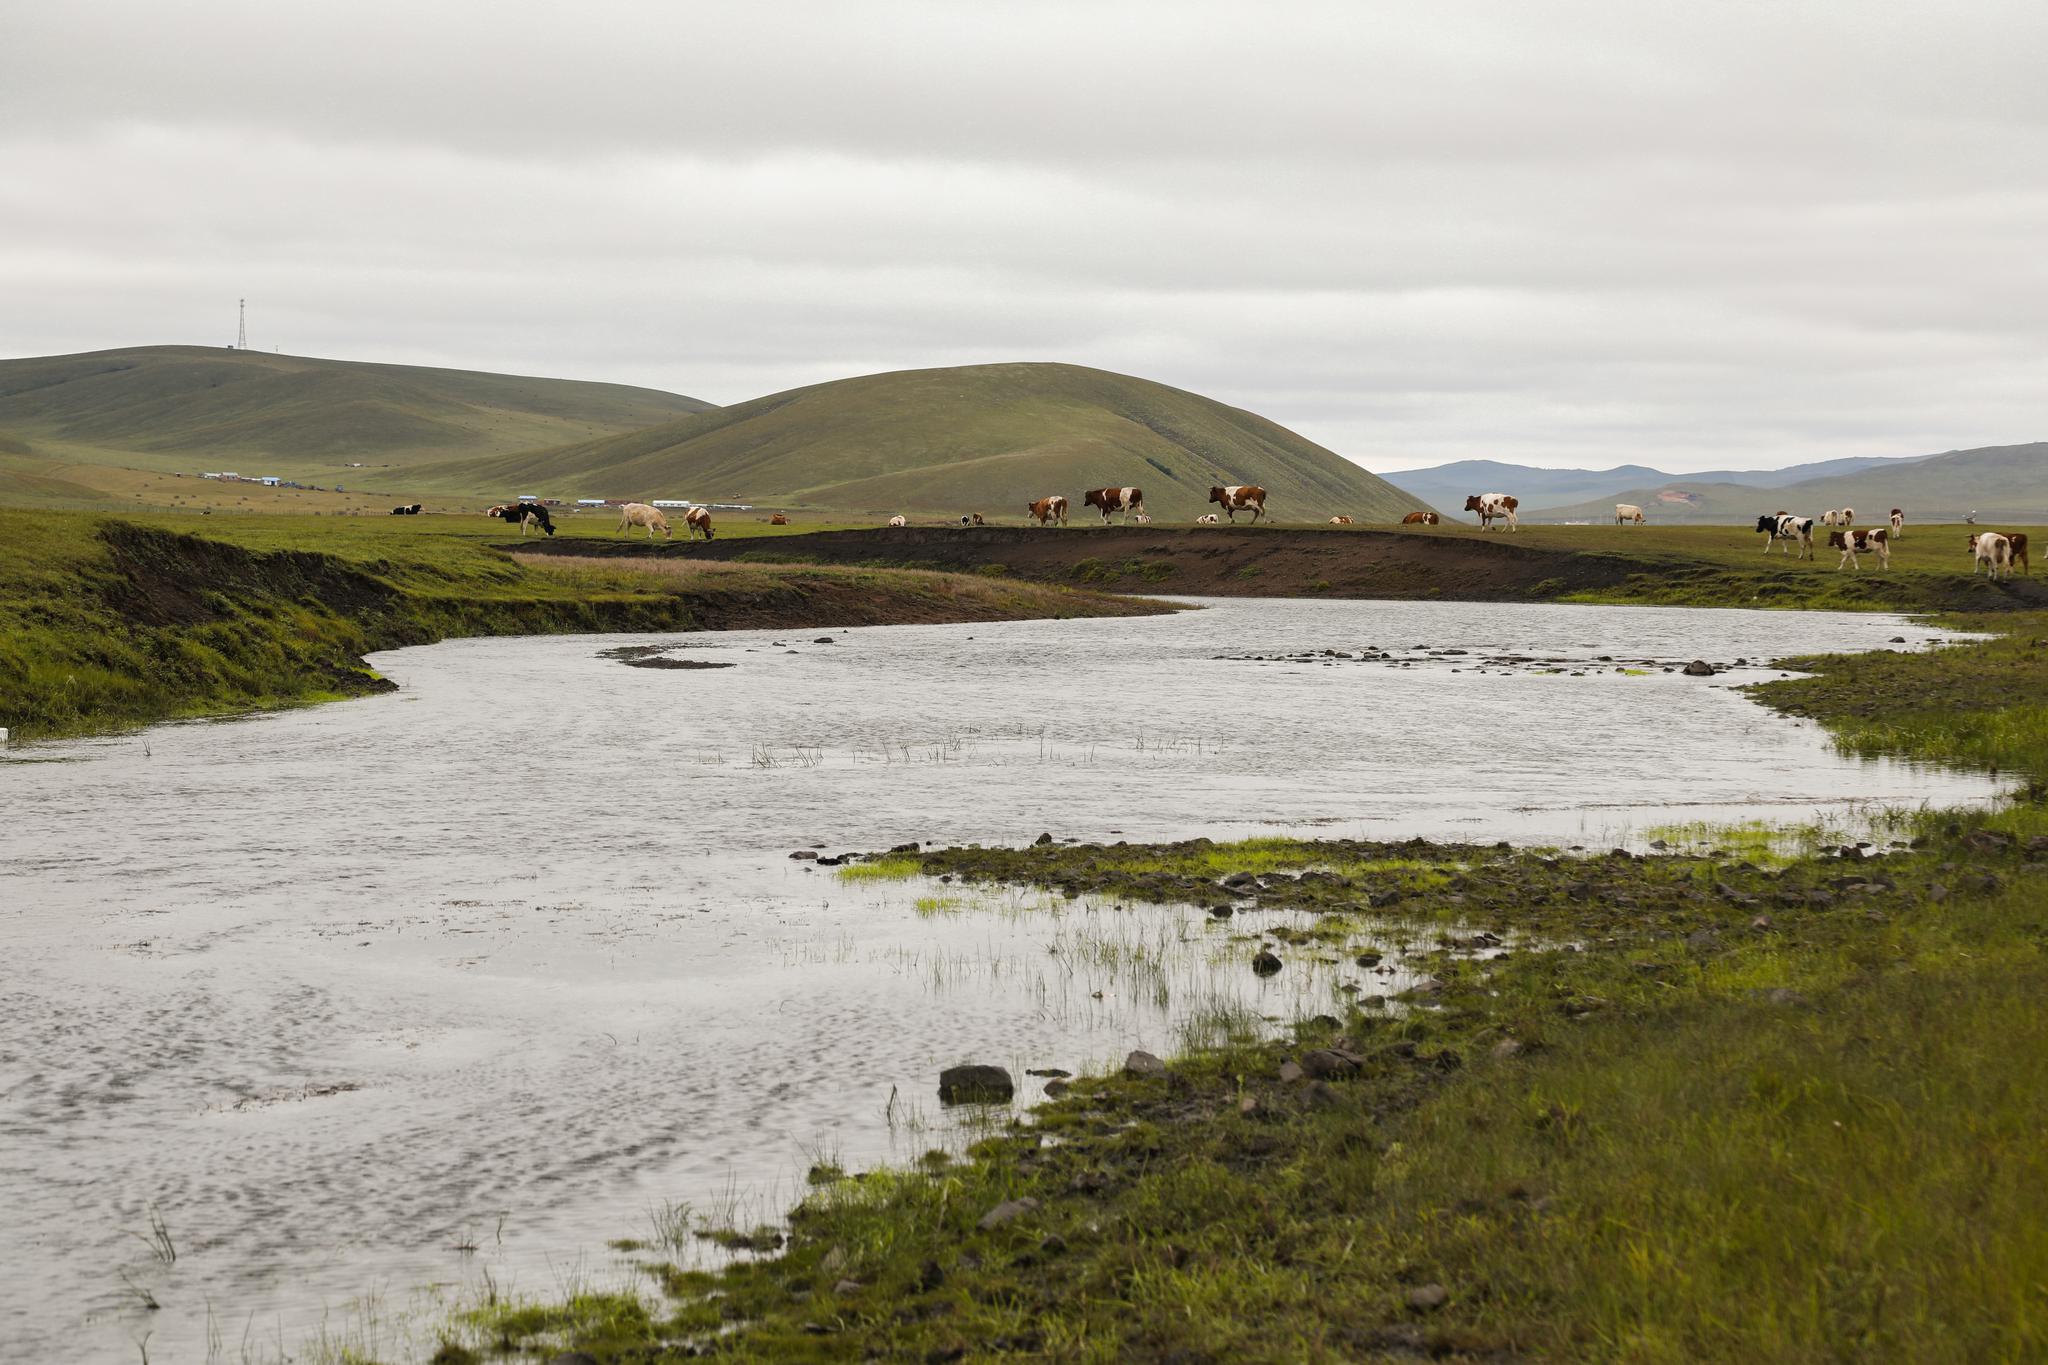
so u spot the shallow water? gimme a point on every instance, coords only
(516, 953)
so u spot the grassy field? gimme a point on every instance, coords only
(1753, 1098)
(106, 622)
(981, 438)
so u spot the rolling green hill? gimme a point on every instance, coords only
(1999, 483)
(986, 438)
(180, 407)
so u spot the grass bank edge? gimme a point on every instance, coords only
(108, 623)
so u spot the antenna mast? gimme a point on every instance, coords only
(241, 324)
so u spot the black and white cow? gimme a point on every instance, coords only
(1788, 528)
(411, 509)
(523, 515)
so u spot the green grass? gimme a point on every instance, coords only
(983, 438)
(879, 870)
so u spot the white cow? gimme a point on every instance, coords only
(1627, 512)
(1992, 553)
(1206, 519)
(898, 521)
(1898, 523)
(640, 514)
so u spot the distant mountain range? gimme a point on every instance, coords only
(2007, 483)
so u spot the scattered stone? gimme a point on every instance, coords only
(1221, 911)
(803, 855)
(846, 1287)
(1370, 959)
(1320, 1095)
(1143, 1064)
(1380, 900)
(823, 640)
(824, 861)
(1506, 1048)
(1699, 668)
(1989, 840)
(1055, 1089)
(1052, 1071)
(904, 848)
(1703, 938)
(1240, 881)
(1042, 840)
(1265, 962)
(1007, 1212)
(1326, 1063)
(1937, 893)
(1290, 1072)
(1248, 1106)
(1898, 639)
(1761, 924)
(1427, 1298)
(975, 1083)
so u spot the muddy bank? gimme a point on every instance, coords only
(1391, 564)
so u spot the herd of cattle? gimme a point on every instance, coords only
(1993, 553)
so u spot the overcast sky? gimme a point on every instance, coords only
(1692, 235)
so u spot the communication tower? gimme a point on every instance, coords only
(241, 324)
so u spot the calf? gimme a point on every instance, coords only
(1627, 511)
(1421, 519)
(1046, 511)
(1898, 523)
(1992, 553)
(1853, 543)
(1207, 519)
(695, 520)
(1493, 506)
(1340, 521)
(778, 520)
(1129, 501)
(1238, 497)
(899, 521)
(640, 514)
(978, 521)
(523, 515)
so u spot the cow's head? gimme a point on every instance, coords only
(1472, 503)
(1215, 495)
(1096, 497)
(1837, 541)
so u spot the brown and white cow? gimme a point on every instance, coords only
(695, 520)
(1128, 501)
(1992, 553)
(1207, 519)
(1421, 519)
(1340, 521)
(1627, 512)
(1853, 543)
(1493, 506)
(1046, 511)
(2015, 550)
(978, 521)
(1238, 497)
(1898, 523)
(778, 520)
(640, 514)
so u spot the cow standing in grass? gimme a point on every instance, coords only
(1777, 526)
(411, 509)
(695, 520)
(1992, 553)
(1853, 543)
(640, 514)
(1129, 501)
(1046, 511)
(1627, 512)
(523, 515)
(1898, 523)
(1239, 497)
(1492, 507)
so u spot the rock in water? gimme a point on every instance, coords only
(1699, 668)
(975, 1084)
(1143, 1064)
(1265, 963)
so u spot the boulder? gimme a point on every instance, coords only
(1143, 1064)
(1265, 962)
(975, 1083)
(1699, 668)
(1331, 1063)
(1009, 1211)
(1427, 1298)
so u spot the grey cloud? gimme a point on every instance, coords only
(1562, 233)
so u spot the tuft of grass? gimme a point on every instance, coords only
(879, 869)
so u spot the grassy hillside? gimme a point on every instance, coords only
(984, 437)
(187, 407)
(1999, 483)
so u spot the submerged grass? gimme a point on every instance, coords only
(1749, 1100)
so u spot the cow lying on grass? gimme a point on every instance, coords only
(411, 509)
(1421, 519)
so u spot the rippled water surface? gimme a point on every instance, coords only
(517, 953)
